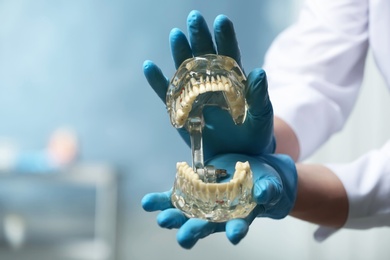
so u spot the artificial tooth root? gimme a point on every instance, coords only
(195, 88)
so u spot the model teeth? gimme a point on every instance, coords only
(194, 88)
(189, 180)
(213, 201)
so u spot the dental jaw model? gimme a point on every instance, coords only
(209, 80)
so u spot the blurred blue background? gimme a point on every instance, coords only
(78, 64)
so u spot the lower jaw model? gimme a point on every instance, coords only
(216, 202)
(209, 80)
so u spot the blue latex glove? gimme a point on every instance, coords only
(220, 134)
(274, 191)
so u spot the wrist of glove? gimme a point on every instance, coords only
(274, 191)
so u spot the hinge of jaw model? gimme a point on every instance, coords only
(208, 80)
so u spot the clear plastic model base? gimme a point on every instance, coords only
(217, 202)
(209, 80)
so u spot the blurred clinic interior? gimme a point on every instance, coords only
(83, 137)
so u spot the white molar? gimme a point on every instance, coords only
(189, 180)
(195, 88)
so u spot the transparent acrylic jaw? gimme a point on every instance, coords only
(216, 202)
(209, 80)
(206, 80)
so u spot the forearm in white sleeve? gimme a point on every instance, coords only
(367, 183)
(315, 69)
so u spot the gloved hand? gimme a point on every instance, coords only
(220, 134)
(274, 191)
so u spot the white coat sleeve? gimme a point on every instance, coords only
(315, 69)
(367, 183)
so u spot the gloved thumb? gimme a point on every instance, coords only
(267, 191)
(256, 94)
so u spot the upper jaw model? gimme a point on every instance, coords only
(206, 80)
(209, 80)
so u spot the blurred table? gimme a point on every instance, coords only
(66, 215)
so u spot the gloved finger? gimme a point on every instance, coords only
(236, 229)
(195, 229)
(199, 34)
(156, 79)
(180, 47)
(267, 191)
(256, 94)
(225, 38)
(157, 201)
(171, 218)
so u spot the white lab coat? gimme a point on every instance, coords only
(315, 70)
